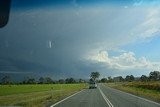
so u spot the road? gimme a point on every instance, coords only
(104, 97)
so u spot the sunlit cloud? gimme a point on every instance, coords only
(125, 61)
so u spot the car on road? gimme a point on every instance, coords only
(92, 85)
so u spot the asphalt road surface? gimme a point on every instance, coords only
(104, 97)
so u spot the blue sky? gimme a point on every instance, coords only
(149, 48)
(72, 38)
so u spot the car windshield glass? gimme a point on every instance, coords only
(80, 53)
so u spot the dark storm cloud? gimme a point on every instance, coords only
(27, 40)
(57, 42)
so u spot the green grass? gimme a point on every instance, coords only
(132, 88)
(36, 95)
(152, 85)
(18, 89)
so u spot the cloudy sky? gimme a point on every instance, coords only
(71, 38)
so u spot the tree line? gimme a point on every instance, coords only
(42, 80)
(153, 76)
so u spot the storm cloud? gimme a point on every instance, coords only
(63, 41)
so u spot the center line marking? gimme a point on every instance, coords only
(105, 98)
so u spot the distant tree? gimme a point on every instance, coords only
(61, 81)
(67, 80)
(154, 76)
(24, 81)
(144, 78)
(48, 80)
(6, 80)
(118, 79)
(41, 80)
(91, 80)
(81, 80)
(70, 80)
(110, 79)
(129, 78)
(95, 75)
(132, 77)
(103, 80)
(29, 80)
(121, 78)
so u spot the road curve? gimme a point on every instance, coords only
(105, 97)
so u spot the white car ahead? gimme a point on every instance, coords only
(92, 85)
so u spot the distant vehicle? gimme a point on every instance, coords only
(92, 85)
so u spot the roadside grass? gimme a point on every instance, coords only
(136, 89)
(37, 95)
(152, 85)
(17, 89)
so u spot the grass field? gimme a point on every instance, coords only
(139, 88)
(36, 95)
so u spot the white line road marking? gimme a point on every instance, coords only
(134, 96)
(105, 98)
(66, 98)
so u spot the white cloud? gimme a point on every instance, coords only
(150, 26)
(125, 61)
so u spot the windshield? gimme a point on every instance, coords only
(51, 49)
